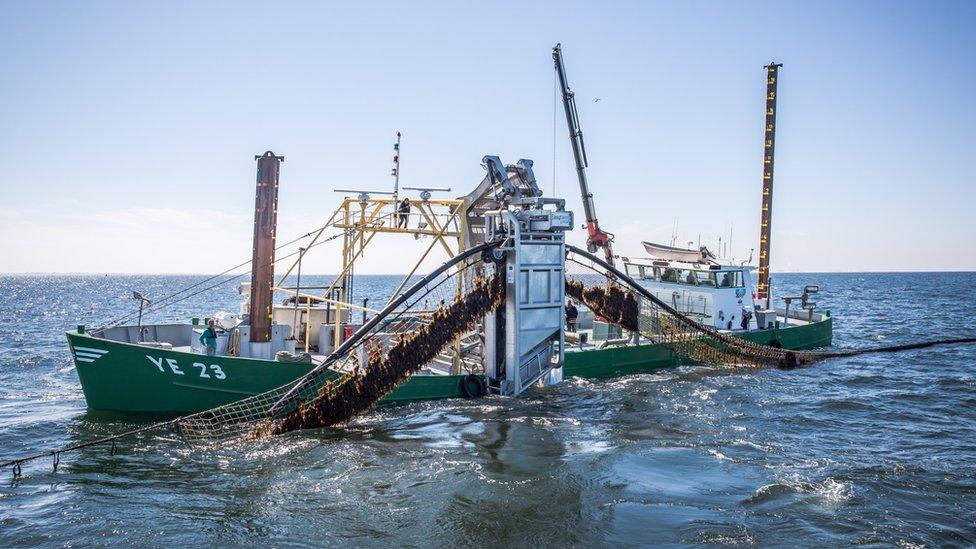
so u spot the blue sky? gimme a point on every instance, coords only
(129, 129)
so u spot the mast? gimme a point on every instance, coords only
(766, 215)
(596, 237)
(262, 261)
(396, 170)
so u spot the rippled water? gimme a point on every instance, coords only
(877, 449)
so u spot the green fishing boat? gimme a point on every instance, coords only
(193, 366)
(175, 369)
(118, 375)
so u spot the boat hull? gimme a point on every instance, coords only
(130, 378)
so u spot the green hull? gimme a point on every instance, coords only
(125, 377)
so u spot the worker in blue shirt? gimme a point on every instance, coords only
(209, 338)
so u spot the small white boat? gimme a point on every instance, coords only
(670, 253)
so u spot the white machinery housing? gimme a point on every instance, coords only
(524, 339)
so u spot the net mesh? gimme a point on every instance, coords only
(436, 326)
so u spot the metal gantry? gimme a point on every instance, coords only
(360, 219)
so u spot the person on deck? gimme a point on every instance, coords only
(572, 313)
(403, 213)
(209, 338)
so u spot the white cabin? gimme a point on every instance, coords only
(716, 295)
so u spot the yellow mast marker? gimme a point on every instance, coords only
(766, 215)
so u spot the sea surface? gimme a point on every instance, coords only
(873, 450)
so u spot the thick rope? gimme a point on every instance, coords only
(338, 402)
(382, 382)
(619, 306)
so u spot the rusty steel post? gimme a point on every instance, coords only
(766, 215)
(262, 261)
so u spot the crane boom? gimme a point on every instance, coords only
(596, 237)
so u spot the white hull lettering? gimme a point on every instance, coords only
(173, 365)
(211, 371)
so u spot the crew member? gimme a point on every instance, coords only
(572, 313)
(403, 213)
(209, 338)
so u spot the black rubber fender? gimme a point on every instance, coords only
(473, 386)
(776, 343)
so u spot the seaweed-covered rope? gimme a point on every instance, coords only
(379, 388)
(619, 306)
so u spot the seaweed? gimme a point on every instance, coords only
(336, 402)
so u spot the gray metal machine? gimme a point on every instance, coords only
(525, 339)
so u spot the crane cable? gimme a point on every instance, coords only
(164, 299)
(167, 301)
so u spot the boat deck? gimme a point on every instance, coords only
(584, 339)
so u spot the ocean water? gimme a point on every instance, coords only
(874, 449)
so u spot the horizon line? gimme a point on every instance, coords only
(110, 273)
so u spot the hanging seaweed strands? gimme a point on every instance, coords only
(619, 300)
(336, 402)
(357, 374)
(330, 397)
(652, 320)
(396, 343)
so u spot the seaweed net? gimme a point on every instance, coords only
(434, 325)
(620, 301)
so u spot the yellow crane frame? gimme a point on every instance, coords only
(361, 219)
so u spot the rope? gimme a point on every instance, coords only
(315, 400)
(185, 423)
(892, 348)
(555, 105)
(740, 348)
(15, 463)
(164, 299)
(221, 283)
(233, 343)
(167, 300)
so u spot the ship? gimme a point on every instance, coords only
(165, 369)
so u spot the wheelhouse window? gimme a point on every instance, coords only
(692, 277)
(706, 278)
(687, 277)
(642, 272)
(730, 279)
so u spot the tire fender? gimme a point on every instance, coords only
(473, 386)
